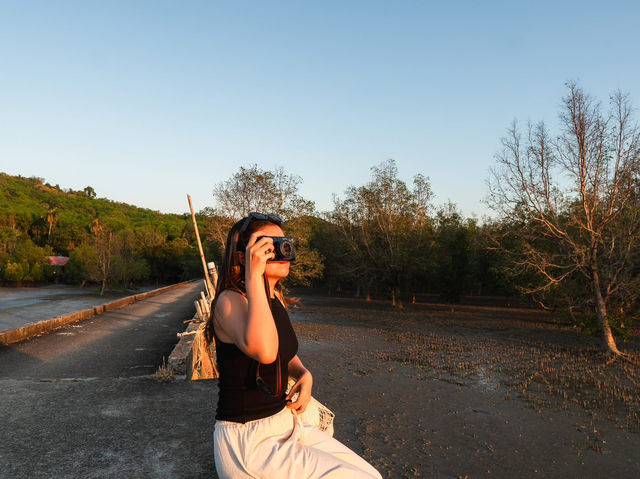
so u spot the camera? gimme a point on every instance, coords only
(283, 248)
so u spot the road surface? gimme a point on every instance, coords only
(20, 306)
(81, 401)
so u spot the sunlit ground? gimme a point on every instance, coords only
(473, 389)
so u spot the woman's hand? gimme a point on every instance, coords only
(257, 252)
(303, 387)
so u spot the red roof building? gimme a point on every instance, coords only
(58, 260)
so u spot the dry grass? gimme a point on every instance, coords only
(164, 372)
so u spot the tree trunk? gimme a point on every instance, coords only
(104, 283)
(395, 298)
(399, 302)
(608, 341)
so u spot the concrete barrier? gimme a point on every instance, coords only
(14, 335)
(193, 358)
(181, 358)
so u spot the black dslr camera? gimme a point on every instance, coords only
(283, 248)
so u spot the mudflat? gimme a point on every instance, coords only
(436, 391)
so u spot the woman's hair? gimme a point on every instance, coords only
(231, 272)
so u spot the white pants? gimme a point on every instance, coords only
(281, 447)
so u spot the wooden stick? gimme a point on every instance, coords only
(205, 303)
(187, 333)
(199, 310)
(210, 289)
(203, 307)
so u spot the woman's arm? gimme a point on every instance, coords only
(296, 368)
(248, 323)
(303, 385)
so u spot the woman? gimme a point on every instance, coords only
(257, 432)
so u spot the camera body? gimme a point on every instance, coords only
(283, 248)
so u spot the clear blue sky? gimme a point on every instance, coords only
(148, 100)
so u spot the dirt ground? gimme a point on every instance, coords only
(431, 391)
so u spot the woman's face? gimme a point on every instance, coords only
(274, 269)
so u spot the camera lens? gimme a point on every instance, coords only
(286, 248)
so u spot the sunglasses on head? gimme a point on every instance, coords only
(253, 216)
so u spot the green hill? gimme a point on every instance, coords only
(27, 203)
(39, 220)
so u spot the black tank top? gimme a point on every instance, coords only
(239, 398)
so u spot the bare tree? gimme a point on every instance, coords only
(103, 237)
(575, 198)
(51, 217)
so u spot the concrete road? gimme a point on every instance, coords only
(81, 401)
(20, 306)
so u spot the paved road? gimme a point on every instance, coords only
(20, 306)
(81, 402)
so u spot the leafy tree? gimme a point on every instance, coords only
(82, 265)
(102, 242)
(454, 253)
(309, 264)
(8, 239)
(385, 223)
(26, 261)
(340, 265)
(494, 269)
(128, 266)
(89, 191)
(253, 189)
(13, 272)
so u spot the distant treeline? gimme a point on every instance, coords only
(107, 243)
(384, 239)
(116, 244)
(566, 236)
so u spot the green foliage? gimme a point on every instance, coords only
(453, 248)
(13, 272)
(23, 260)
(269, 191)
(39, 220)
(309, 263)
(621, 325)
(82, 265)
(31, 206)
(384, 227)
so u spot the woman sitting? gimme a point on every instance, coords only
(258, 433)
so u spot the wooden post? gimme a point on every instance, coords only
(199, 310)
(210, 289)
(206, 303)
(203, 307)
